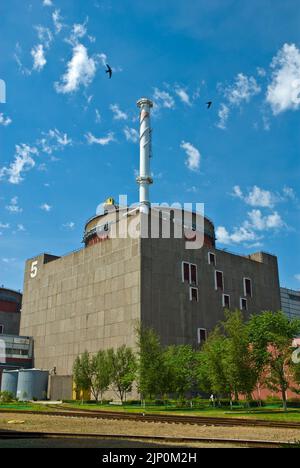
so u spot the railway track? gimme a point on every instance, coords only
(179, 441)
(159, 418)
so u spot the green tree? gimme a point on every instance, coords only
(271, 336)
(100, 374)
(211, 373)
(152, 376)
(123, 366)
(238, 360)
(179, 362)
(81, 373)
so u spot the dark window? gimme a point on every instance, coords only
(244, 304)
(1, 329)
(194, 295)
(248, 287)
(219, 280)
(193, 274)
(186, 272)
(294, 298)
(202, 335)
(189, 273)
(226, 301)
(212, 258)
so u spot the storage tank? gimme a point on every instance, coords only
(32, 385)
(10, 382)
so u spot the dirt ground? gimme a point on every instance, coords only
(40, 423)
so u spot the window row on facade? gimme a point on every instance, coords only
(190, 276)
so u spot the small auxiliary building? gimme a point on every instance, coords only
(129, 271)
(15, 350)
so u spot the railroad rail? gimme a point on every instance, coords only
(179, 441)
(160, 418)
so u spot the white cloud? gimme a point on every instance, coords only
(69, 226)
(262, 223)
(57, 21)
(289, 193)
(17, 56)
(243, 89)
(256, 197)
(4, 226)
(98, 116)
(104, 141)
(183, 95)
(248, 231)
(5, 121)
(261, 72)
(223, 115)
(163, 99)
(46, 207)
(23, 162)
(13, 207)
(238, 235)
(78, 32)
(38, 55)
(131, 134)
(45, 36)
(21, 228)
(284, 91)
(118, 114)
(193, 156)
(47, 3)
(81, 70)
(297, 277)
(53, 141)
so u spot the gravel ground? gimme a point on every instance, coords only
(40, 423)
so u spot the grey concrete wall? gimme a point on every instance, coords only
(166, 305)
(88, 300)
(60, 387)
(11, 322)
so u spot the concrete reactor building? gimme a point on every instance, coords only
(156, 265)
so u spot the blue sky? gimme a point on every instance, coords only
(68, 133)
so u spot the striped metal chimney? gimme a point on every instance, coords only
(144, 179)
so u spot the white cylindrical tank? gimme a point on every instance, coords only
(10, 382)
(32, 385)
(144, 179)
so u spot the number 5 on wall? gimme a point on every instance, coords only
(34, 269)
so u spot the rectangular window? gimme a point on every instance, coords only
(193, 274)
(189, 273)
(1, 329)
(226, 301)
(212, 259)
(186, 272)
(247, 287)
(194, 295)
(202, 335)
(244, 304)
(219, 281)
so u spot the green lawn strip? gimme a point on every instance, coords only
(267, 413)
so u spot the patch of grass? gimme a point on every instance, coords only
(268, 412)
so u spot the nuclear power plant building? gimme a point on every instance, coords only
(127, 274)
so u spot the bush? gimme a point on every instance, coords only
(273, 400)
(294, 403)
(133, 402)
(6, 397)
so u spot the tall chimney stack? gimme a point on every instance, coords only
(145, 179)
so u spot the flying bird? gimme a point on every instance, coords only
(109, 71)
(209, 104)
